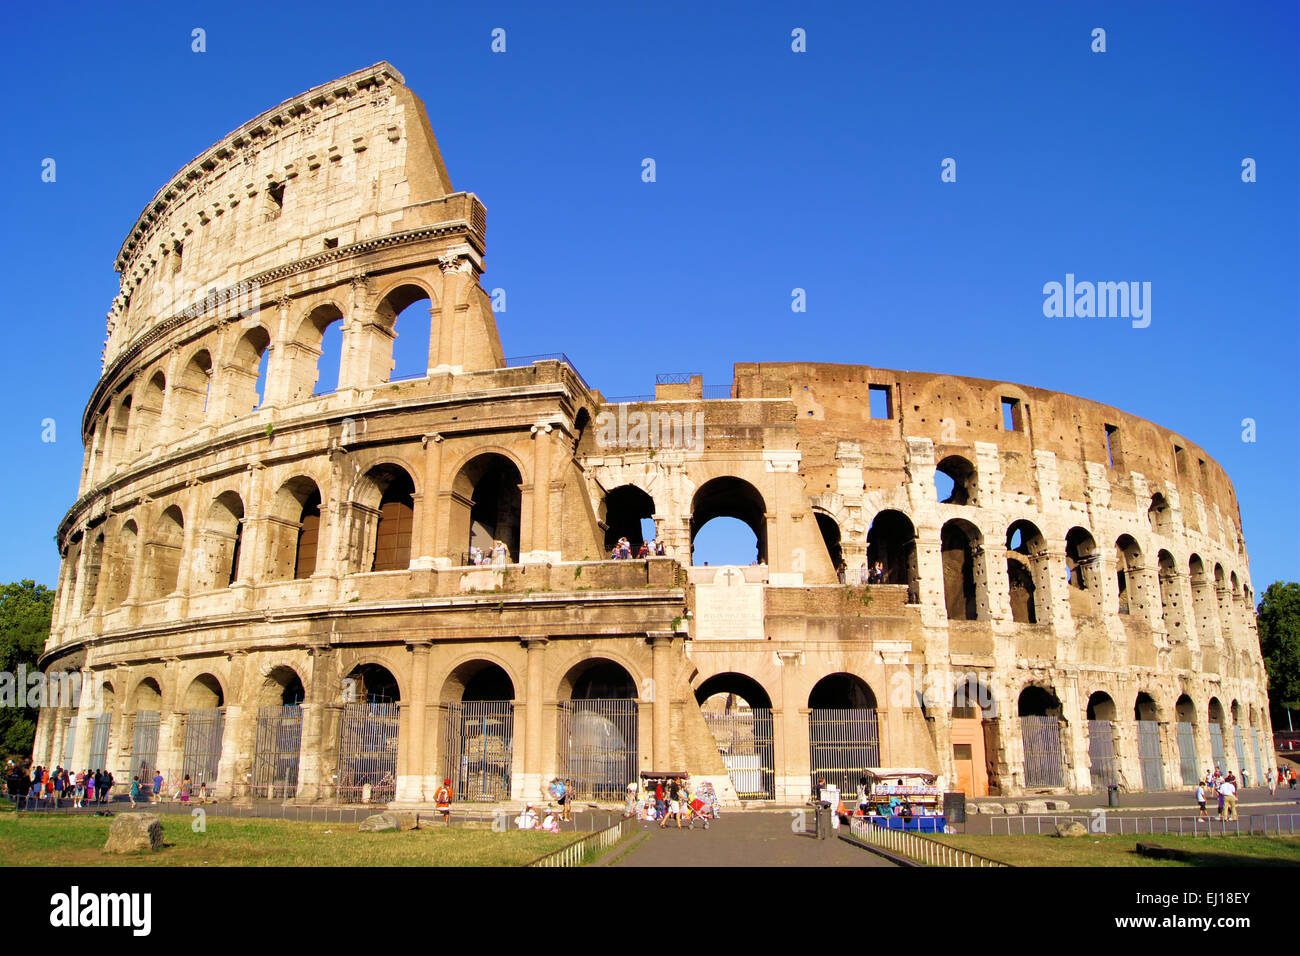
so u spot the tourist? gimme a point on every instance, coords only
(1292, 779)
(643, 551)
(1272, 783)
(660, 806)
(442, 800)
(864, 796)
(134, 792)
(79, 791)
(528, 819)
(659, 548)
(674, 806)
(1228, 800)
(475, 555)
(1202, 812)
(500, 554)
(158, 786)
(106, 788)
(550, 824)
(840, 569)
(90, 787)
(569, 791)
(186, 789)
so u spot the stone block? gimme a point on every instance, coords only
(380, 823)
(134, 832)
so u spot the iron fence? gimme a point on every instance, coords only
(745, 743)
(1260, 769)
(576, 853)
(201, 758)
(842, 743)
(598, 744)
(922, 849)
(1189, 762)
(1115, 824)
(1044, 761)
(368, 734)
(69, 743)
(1216, 746)
(144, 748)
(277, 751)
(479, 749)
(1150, 755)
(1101, 754)
(1239, 746)
(99, 727)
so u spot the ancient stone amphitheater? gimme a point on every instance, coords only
(266, 580)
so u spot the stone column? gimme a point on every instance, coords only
(527, 785)
(791, 730)
(237, 740)
(171, 740)
(410, 780)
(538, 548)
(426, 541)
(319, 695)
(661, 643)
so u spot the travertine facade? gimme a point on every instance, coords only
(252, 550)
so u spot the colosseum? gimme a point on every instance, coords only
(270, 579)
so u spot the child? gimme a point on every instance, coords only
(135, 791)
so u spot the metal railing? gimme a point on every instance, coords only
(922, 849)
(1114, 824)
(575, 854)
(520, 361)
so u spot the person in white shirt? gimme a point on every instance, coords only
(1200, 802)
(1229, 792)
(528, 819)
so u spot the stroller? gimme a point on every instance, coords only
(704, 806)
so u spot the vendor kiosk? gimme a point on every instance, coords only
(903, 799)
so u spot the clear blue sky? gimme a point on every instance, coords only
(775, 170)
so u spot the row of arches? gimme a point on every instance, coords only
(222, 376)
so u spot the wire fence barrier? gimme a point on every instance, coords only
(745, 743)
(1150, 756)
(276, 751)
(1044, 761)
(577, 852)
(842, 743)
(920, 848)
(598, 746)
(368, 753)
(1114, 824)
(479, 749)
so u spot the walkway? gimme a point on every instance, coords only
(740, 839)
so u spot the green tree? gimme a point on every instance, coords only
(1279, 640)
(25, 611)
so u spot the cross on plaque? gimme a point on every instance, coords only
(729, 573)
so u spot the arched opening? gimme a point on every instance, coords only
(1026, 559)
(1189, 762)
(597, 732)
(1159, 515)
(1217, 751)
(891, 554)
(220, 543)
(955, 481)
(1150, 752)
(964, 584)
(146, 706)
(479, 731)
(629, 513)
(190, 395)
(1041, 729)
(386, 501)
(148, 413)
(1081, 561)
(120, 427)
(100, 723)
(725, 542)
(368, 736)
(1238, 743)
(486, 510)
(843, 731)
(147, 696)
(738, 712)
(120, 565)
(278, 745)
(830, 530)
(974, 737)
(314, 357)
(1203, 601)
(1171, 604)
(293, 530)
(245, 374)
(90, 583)
(1102, 765)
(1128, 577)
(406, 313)
(163, 561)
(205, 726)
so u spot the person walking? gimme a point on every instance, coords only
(1202, 813)
(186, 789)
(1272, 783)
(1228, 794)
(134, 793)
(157, 786)
(90, 787)
(442, 800)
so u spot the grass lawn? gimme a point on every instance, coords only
(36, 840)
(1120, 850)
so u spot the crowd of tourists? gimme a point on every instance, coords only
(675, 801)
(622, 550)
(39, 788)
(1222, 788)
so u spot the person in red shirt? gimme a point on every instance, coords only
(442, 800)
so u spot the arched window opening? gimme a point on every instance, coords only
(728, 498)
(405, 313)
(1041, 730)
(479, 731)
(1203, 600)
(120, 427)
(963, 579)
(371, 684)
(1159, 515)
(395, 518)
(369, 736)
(304, 558)
(293, 530)
(891, 552)
(163, 561)
(220, 543)
(955, 481)
(738, 712)
(1128, 576)
(629, 513)
(121, 565)
(1026, 556)
(245, 374)
(1216, 735)
(597, 732)
(148, 415)
(313, 359)
(1102, 765)
(487, 509)
(1171, 605)
(830, 530)
(843, 731)
(90, 584)
(1081, 564)
(191, 394)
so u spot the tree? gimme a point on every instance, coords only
(1279, 640)
(25, 611)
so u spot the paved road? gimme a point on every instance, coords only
(742, 839)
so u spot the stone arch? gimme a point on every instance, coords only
(147, 695)
(408, 359)
(601, 677)
(281, 686)
(383, 506)
(1027, 572)
(962, 484)
(891, 544)
(121, 563)
(1159, 515)
(119, 426)
(372, 682)
(1145, 707)
(1038, 700)
(841, 691)
(95, 557)
(203, 693)
(149, 412)
(479, 677)
(831, 537)
(728, 686)
(965, 584)
(306, 351)
(293, 529)
(1101, 706)
(487, 507)
(623, 511)
(164, 554)
(220, 543)
(1171, 604)
(730, 497)
(243, 371)
(1130, 576)
(191, 393)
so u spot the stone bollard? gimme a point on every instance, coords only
(132, 832)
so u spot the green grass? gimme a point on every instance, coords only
(78, 841)
(1120, 850)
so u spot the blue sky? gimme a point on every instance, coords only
(775, 170)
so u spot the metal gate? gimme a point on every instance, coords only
(479, 749)
(1239, 746)
(204, 730)
(1189, 764)
(1101, 754)
(1260, 769)
(843, 743)
(69, 744)
(276, 752)
(368, 753)
(1150, 756)
(598, 746)
(1216, 746)
(144, 748)
(99, 741)
(1044, 762)
(744, 741)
